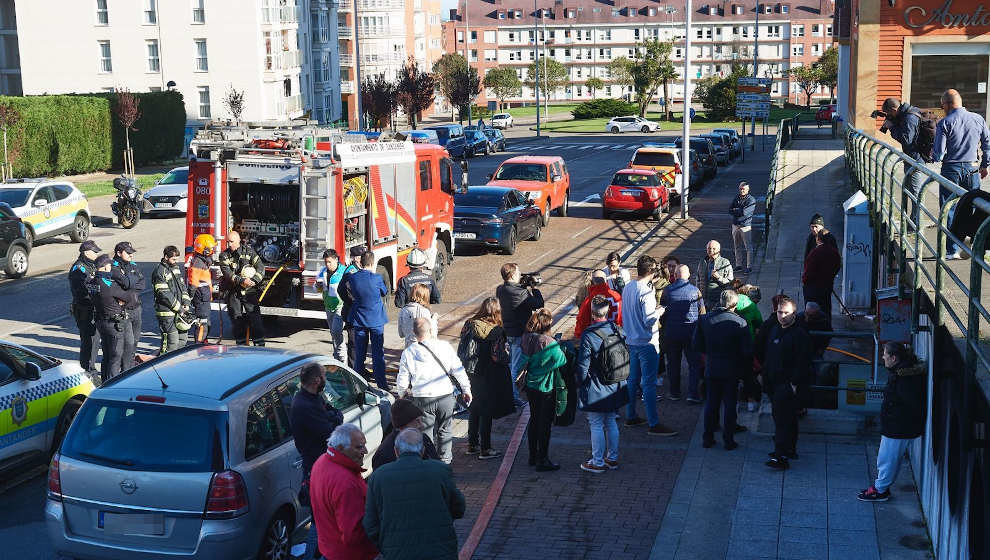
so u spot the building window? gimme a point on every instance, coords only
(460, 36)
(150, 12)
(474, 55)
(106, 64)
(797, 31)
(737, 10)
(816, 30)
(784, 8)
(828, 30)
(474, 37)
(773, 31)
(490, 55)
(489, 36)
(325, 67)
(512, 37)
(201, 60)
(816, 49)
(501, 15)
(154, 64)
(605, 35)
(608, 91)
(199, 11)
(204, 102)
(616, 12)
(797, 50)
(102, 15)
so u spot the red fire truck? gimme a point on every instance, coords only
(294, 191)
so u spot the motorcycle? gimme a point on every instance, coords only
(127, 208)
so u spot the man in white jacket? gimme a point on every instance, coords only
(425, 370)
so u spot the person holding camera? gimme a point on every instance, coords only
(903, 122)
(518, 298)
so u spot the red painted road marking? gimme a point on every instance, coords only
(495, 492)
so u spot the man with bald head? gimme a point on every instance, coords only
(243, 272)
(957, 138)
(682, 305)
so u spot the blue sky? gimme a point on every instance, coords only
(447, 6)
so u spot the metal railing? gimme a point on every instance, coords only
(785, 132)
(900, 219)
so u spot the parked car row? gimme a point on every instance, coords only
(469, 141)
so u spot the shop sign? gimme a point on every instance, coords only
(918, 16)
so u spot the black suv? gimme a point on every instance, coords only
(14, 247)
(706, 154)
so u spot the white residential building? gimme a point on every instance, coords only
(202, 48)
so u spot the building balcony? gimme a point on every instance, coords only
(346, 86)
(285, 60)
(381, 5)
(345, 32)
(289, 105)
(381, 32)
(347, 60)
(287, 14)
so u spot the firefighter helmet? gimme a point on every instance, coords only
(204, 244)
(416, 258)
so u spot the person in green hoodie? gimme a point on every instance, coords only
(545, 387)
(749, 296)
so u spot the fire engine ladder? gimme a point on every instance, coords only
(315, 212)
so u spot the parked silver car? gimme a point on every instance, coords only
(190, 455)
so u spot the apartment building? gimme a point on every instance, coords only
(275, 51)
(586, 35)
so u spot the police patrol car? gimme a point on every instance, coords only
(39, 397)
(48, 207)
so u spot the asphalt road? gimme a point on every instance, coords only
(35, 309)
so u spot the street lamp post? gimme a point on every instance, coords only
(536, 57)
(467, 57)
(756, 53)
(357, 70)
(686, 141)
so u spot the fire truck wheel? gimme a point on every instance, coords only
(441, 264)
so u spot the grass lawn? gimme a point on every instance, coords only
(700, 122)
(531, 110)
(102, 188)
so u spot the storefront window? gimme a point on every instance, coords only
(933, 74)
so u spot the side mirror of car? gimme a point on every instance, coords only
(32, 371)
(555, 177)
(369, 398)
(39, 202)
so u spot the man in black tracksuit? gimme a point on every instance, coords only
(83, 307)
(723, 337)
(242, 274)
(130, 277)
(518, 303)
(111, 316)
(786, 367)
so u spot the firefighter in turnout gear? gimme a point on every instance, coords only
(171, 300)
(83, 307)
(416, 260)
(111, 316)
(200, 284)
(130, 277)
(242, 275)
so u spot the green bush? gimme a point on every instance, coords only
(59, 135)
(159, 135)
(604, 108)
(477, 112)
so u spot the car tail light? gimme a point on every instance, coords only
(54, 480)
(150, 398)
(677, 168)
(227, 496)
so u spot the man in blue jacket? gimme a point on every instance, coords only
(741, 210)
(683, 305)
(723, 337)
(600, 400)
(368, 317)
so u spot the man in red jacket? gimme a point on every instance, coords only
(599, 287)
(337, 493)
(820, 268)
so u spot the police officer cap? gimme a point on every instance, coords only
(124, 246)
(88, 246)
(358, 250)
(103, 260)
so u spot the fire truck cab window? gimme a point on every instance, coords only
(425, 175)
(450, 176)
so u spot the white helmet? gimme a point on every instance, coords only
(416, 258)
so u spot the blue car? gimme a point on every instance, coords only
(421, 136)
(495, 217)
(477, 142)
(496, 138)
(451, 136)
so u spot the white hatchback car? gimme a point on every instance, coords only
(48, 207)
(170, 193)
(501, 120)
(631, 124)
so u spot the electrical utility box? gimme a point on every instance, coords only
(857, 253)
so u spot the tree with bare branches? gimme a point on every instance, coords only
(234, 102)
(415, 90)
(128, 111)
(378, 100)
(9, 117)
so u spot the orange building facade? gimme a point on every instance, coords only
(914, 50)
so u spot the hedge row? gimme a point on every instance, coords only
(604, 108)
(68, 134)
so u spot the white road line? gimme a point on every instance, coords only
(576, 235)
(591, 197)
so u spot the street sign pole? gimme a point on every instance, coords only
(686, 143)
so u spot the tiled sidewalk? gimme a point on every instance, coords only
(729, 504)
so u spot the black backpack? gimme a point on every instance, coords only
(925, 141)
(612, 359)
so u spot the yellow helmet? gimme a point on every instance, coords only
(204, 244)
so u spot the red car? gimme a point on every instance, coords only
(636, 191)
(824, 115)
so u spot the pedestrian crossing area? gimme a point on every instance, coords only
(539, 147)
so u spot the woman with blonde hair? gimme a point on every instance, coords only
(417, 306)
(545, 387)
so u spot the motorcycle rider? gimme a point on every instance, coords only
(240, 265)
(416, 260)
(111, 316)
(200, 284)
(171, 300)
(84, 304)
(130, 277)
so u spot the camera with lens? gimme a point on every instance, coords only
(530, 280)
(876, 114)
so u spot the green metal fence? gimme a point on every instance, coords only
(785, 133)
(912, 230)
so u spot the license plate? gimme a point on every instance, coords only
(162, 205)
(132, 523)
(631, 192)
(465, 236)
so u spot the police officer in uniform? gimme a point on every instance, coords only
(84, 304)
(130, 277)
(416, 260)
(240, 266)
(171, 300)
(200, 284)
(111, 316)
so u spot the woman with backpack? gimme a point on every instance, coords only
(417, 306)
(542, 359)
(602, 370)
(484, 352)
